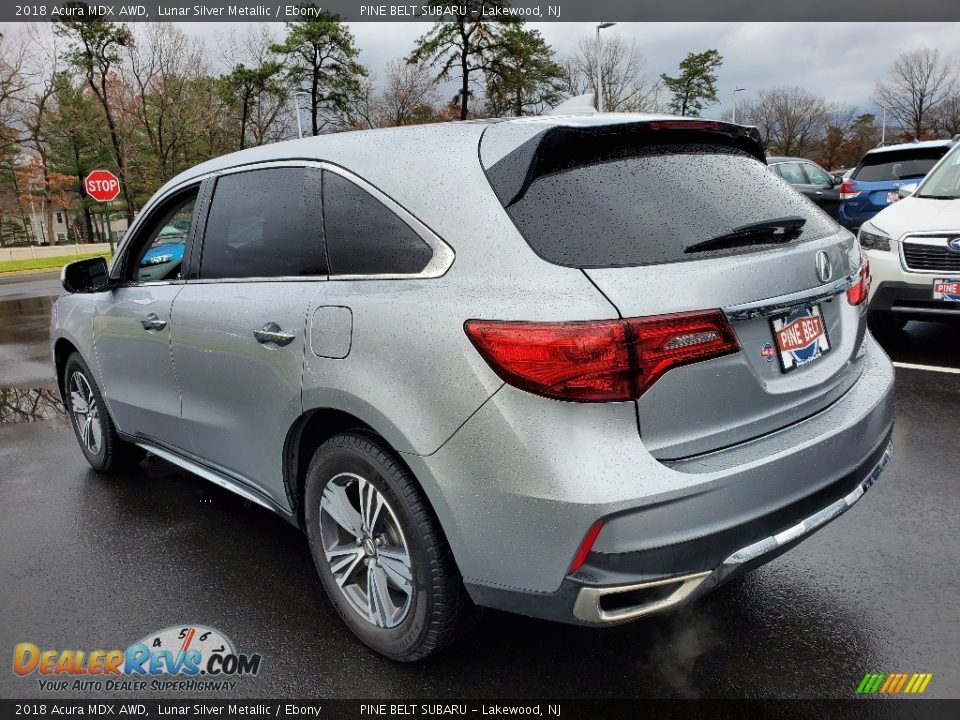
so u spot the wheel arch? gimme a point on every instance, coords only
(62, 350)
(305, 436)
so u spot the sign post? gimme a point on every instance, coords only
(103, 186)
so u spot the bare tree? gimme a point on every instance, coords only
(627, 85)
(790, 119)
(409, 95)
(946, 117)
(837, 131)
(37, 104)
(165, 66)
(918, 82)
(257, 84)
(13, 84)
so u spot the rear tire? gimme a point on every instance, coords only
(379, 550)
(101, 445)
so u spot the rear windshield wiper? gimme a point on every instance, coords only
(766, 232)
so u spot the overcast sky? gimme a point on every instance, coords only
(838, 61)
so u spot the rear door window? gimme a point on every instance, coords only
(264, 223)
(792, 173)
(653, 203)
(816, 176)
(897, 165)
(364, 237)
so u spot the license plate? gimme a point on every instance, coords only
(946, 289)
(892, 197)
(800, 337)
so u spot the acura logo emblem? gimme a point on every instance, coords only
(824, 269)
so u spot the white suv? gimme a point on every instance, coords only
(914, 250)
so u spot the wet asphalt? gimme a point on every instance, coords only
(88, 562)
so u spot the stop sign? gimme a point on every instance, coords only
(102, 185)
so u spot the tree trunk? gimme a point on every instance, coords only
(243, 120)
(465, 83)
(101, 94)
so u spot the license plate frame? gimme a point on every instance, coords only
(943, 293)
(804, 324)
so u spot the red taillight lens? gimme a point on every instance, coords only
(601, 360)
(861, 289)
(848, 190)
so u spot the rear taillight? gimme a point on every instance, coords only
(600, 360)
(848, 190)
(861, 288)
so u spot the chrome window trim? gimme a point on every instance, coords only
(933, 238)
(440, 262)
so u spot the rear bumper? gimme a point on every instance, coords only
(518, 486)
(605, 590)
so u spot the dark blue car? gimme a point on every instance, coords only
(876, 181)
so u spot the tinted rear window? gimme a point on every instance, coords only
(652, 203)
(898, 165)
(262, 225)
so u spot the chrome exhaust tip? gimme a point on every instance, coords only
(628, 602)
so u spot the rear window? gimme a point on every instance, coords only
(898, 164)
(652, 203)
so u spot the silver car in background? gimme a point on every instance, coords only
(581, 368)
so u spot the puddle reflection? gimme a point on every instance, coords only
(19, 405)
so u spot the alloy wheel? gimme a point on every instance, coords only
(86, 413)
(365, 550)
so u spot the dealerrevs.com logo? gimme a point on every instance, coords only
(188, 658)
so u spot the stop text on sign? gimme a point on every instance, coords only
(102, 185)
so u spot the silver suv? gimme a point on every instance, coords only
(581, 368)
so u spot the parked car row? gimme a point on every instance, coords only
(853, 196)
(913, 247)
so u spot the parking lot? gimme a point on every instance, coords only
(90, 561)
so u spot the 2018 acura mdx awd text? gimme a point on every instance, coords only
(581, 368)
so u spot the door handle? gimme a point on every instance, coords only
(273, 334)
(153, 323)
(819, 192)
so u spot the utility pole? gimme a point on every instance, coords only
(296, 106)
(735, 102)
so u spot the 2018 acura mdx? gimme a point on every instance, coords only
(582, 368)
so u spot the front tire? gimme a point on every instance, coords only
(380, 552)
(101, 445)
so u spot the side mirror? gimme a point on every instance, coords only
(905, 191)
(85, 276)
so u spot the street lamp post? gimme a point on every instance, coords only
(296, 107)
(883, 128)
(600, 27)
(736, 90)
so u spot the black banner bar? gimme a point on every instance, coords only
(530, 10)
(867, 709)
